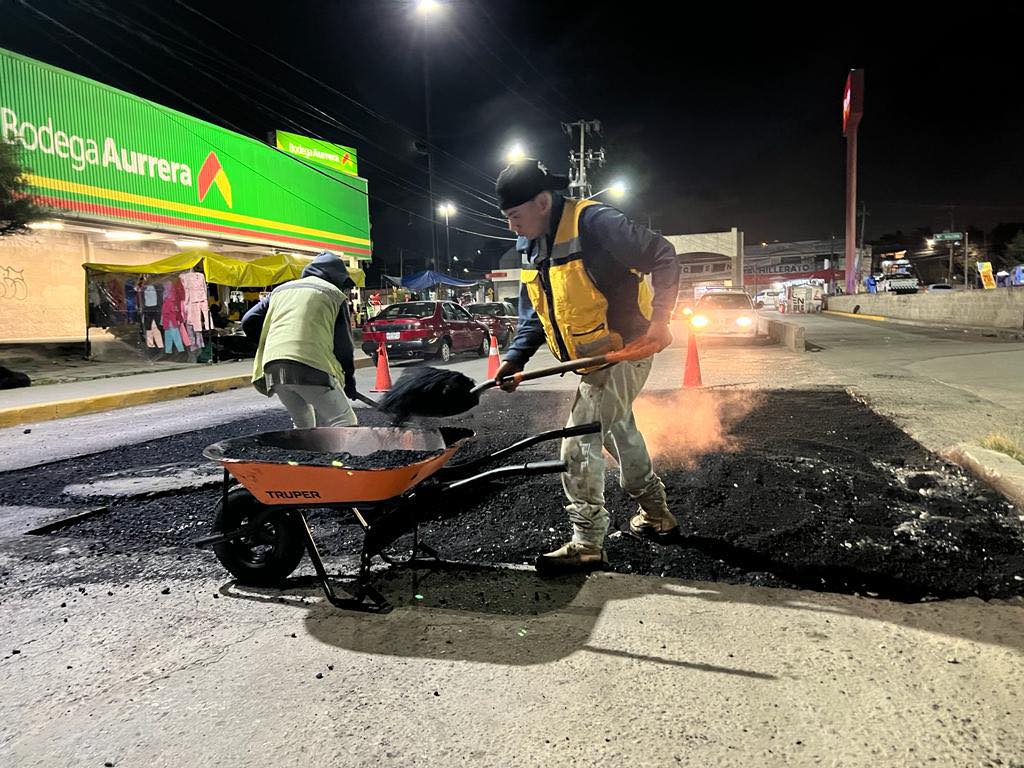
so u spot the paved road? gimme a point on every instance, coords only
(180, 668)
(942, 387)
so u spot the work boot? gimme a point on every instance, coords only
(661, 528)
(572, 558)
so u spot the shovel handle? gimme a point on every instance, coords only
(366, 400)
(539, 373)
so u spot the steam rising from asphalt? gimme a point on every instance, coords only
(682, 426)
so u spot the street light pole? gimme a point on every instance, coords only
(430, 152)
(967, 258)
(618, 189)
(447, 210)
(447, 241)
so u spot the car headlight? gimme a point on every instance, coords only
(743, 322)
(698, 321)
(687, 310)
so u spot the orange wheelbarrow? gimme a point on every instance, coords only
(260, 533)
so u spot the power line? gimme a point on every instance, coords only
(542, 110)
(401, 183)
(479, 234)
(312, 111)
(346, 97)
(167, 115)
(479, 7)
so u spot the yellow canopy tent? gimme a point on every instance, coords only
(223, 270)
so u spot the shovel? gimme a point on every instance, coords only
(434, 392)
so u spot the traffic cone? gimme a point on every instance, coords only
(691, 373)
(383, 374)
(493, 361)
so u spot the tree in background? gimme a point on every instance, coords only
(1015, 249)
(17, 208)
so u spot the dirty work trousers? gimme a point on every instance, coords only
(607, 396)
(316, 406)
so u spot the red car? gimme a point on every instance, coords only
(425, 329)
(501, 320)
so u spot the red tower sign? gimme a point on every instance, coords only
(853, 109)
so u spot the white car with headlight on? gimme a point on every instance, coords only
(724, 313)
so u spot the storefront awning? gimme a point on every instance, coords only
(223, 270)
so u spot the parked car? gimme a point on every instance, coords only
(767, 300)
(941, 288)
(425, 329)
(724, 313)
(501, 320)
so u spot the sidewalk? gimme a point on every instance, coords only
(501, 668)
(120, 385)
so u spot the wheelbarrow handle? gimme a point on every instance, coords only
(539, 373)
(530, 468)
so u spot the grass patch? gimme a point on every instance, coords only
(1004, 444)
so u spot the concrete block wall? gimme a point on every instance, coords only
(999, 308)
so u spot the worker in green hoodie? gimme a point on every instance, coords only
(305, 354)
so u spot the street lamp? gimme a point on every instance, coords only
(617, 189)
(515, 153)
(447, 210)
(427, 7)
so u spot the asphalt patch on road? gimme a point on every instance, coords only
(806, 489)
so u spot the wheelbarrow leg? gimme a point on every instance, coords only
(225, 487)
(363, 591)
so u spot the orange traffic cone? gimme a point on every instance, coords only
(383, 374)
(493, 361)
(691, 373)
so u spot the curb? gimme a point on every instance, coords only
(1002, 333)
(62, 409)
(856, 316)
(1000, 471)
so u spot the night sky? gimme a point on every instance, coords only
(716, 118)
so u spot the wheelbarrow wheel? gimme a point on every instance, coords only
(266, 556)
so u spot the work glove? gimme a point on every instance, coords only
(350, 387)
(507, 369)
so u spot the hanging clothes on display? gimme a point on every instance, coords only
(115, 295)
(172, 338)
(197, 305)
(95, 303)
(151, 295)
(172, 316)
(131, 300)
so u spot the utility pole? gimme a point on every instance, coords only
(949, 278)
(580, 161)
(863, 220)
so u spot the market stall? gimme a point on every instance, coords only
(187, 307)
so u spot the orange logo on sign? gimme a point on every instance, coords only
(213, 173)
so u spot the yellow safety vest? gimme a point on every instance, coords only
(573, 312)
(299, 326)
